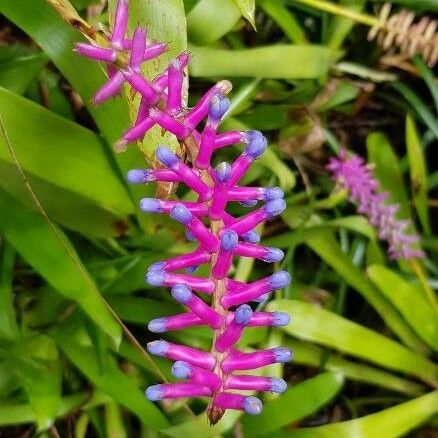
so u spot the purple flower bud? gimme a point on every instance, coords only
(250, 203)
(181, 369)
(251, 237)
(280, 279)
(274, 255)
(223, 172)
(140, 176)
(243, 314)
(158, 348)
(154, 393)
(157, 266)
(229, 240)
(219, 105)
(282, 355)
(151, 205)
(256, 146)
(157, 325)
(252, 405)
(275, 207)
(192, 269)
(280, 319)
(271, 193)
(181, 214)
(166, 156)
(278, 385)
(190, 236)
(182, 293)
(155, 278)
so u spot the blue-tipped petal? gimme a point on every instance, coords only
(181, 369)
(157, 325)
(280, 319)
(181, 214)
(252, 405)
(256, 146)
(229, 240)
(192, 269)
(243, 314)
(158, 348)
(181, 293)
(280, 279)
(140, 176)
(275, 207)
(157, 266)
(154, 392)
(223, 172)
(278, 385)
(166, 156)
(248, 204)
(251, 237)
(274, 255)
(252, 135)
(282, 354)
(151, 205)
(219, 105)
(156, 278)
(190, 236)
(262, 298)
(272, 193)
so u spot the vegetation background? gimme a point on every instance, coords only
(74, 246)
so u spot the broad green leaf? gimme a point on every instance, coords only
(308, 354)
(418, 173)
(325, 245)
(409, 301)
(8, 322)
(247, 9)
(112, 381)
(49, 252)
(202, 24)
(297, 402)
(390, 423)
(318, 325)
(297, 62)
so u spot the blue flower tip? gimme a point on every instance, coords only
(181, 293)
(280, 279)
(280, 319)
(252, 405)
(154, 393)
(274, 255)
(190, 236)
(251, 237)
(157, 266)
(278, 385)
(219, 105)
(256, 146)
(181, 214)
(243, 314)
(248, 204)
(229, 240)
(157, 348)
(155, 278)
(181, 370)
(192, 269)
(275, 207)
(166, 156)
(157, 325)
(139, 176)
(272, 193)
(223, 172)
(282, 355)
(151, 205)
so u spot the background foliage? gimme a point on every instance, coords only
(74, 246)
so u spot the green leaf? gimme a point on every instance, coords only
(326, 246)
(297, 402)
(247, 9)
(409, 301)
(318, 325)
(390, 423)
(203, 26)
(49, 252)
(418, 172)
(112, 381)
(297, 62)
(308, 354)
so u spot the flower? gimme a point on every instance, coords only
(354, 175)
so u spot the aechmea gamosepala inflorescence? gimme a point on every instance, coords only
(217, 301)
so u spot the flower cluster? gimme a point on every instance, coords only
(353, 174)
(218, 301)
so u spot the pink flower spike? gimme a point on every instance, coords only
(120, 24)
(95, 52)
(174, 94)
(249, 361)
(231, 335)
(154, 51)
(219, 200)
(183, 294)
(168, 123)
(229, 240)
(184, 370)
(174, 322)
(110, 89)
(228, 138)
(251, 405)
(176, 390)
(166, 175)
(255, 383)
(142, 86)
(267, 254)
(138, 131)
(197, 257)
(138, 48)
(274, 319)
(156, 277)
(153, 205)
(245, 193)
(181, 352)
